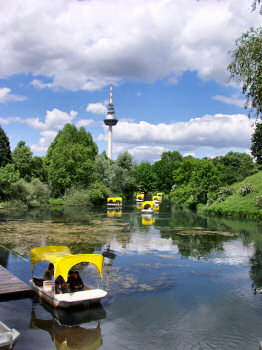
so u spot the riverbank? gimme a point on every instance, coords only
(245, 200)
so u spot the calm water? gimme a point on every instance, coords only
(175, 281)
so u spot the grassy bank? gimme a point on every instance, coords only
(239, 205)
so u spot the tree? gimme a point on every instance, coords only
(22, 158)
(236, 167)
(246, 67)
(194, 179)
(8, 175)
(164, 169)
(256, 147)
(70, 159)
(5, 152)
(145, 177)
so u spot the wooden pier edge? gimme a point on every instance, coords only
(12, 287)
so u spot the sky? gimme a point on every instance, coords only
(167, 61)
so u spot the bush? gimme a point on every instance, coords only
(258, 201)
(32, 194)
(245, 189)
(98, 193)
(77, 197)
(223, 193)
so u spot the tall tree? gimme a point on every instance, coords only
(5, 152)
(70, 159)
(246, 67)
(22, 158)
(145, 177)
(236, 167)
(256, 147)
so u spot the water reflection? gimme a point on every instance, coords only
(114, 213)
(148, 219)
(71, 336)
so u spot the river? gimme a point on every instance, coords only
(177, 280)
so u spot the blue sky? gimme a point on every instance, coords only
(166, 59)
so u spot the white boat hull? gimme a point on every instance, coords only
(114, 204)
(67, 300)
(149, 211)
(7, 336)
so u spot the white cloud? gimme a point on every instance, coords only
(217, 131)
(147, 153)
(230, 100)
(6, 96)
(40, 85)
(54, 120)
(10, 120)
(84, 122)
(76, 46)
(96, 108)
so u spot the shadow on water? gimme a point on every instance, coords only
(65, 329)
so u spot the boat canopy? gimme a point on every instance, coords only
(148, 204)
(140, 196)
(63, 260)
(114, 200)
(159, 194)
(156, 198)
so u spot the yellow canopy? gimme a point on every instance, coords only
(151, 203)
(156, 197)
(113, 200)
(159, 194)
(140, 196)
(63, 260)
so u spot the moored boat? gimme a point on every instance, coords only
(148, 207)
(8, 336)
(140, 198)
(114, 202)
(63, 260)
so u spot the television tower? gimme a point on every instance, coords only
(110, 120)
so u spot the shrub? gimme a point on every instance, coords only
(32, 194)
(245, 189)
(77, 197)
(98, 193)
(223, 193)
(258, 201)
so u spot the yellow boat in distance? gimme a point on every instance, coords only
(140, 198)
(148, 207)
(63, 260)
(160, 195)
(156, 199)
(114, 202)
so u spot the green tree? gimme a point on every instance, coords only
(256, 147)
(194, 179)
(5, 152)
(8, 175)
(246, 67)
(70, 159)
(145, 177)
(236, 167)
(22, 159)
(164, 169)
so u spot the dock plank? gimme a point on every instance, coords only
(11, 286)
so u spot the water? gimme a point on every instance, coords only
(176, 281)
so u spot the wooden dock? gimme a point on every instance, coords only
(12, 287)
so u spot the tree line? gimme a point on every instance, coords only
(72, 171)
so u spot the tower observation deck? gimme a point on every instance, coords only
(110, 120)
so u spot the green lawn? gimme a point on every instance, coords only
(236, 205)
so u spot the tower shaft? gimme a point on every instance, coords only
(109, 142)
